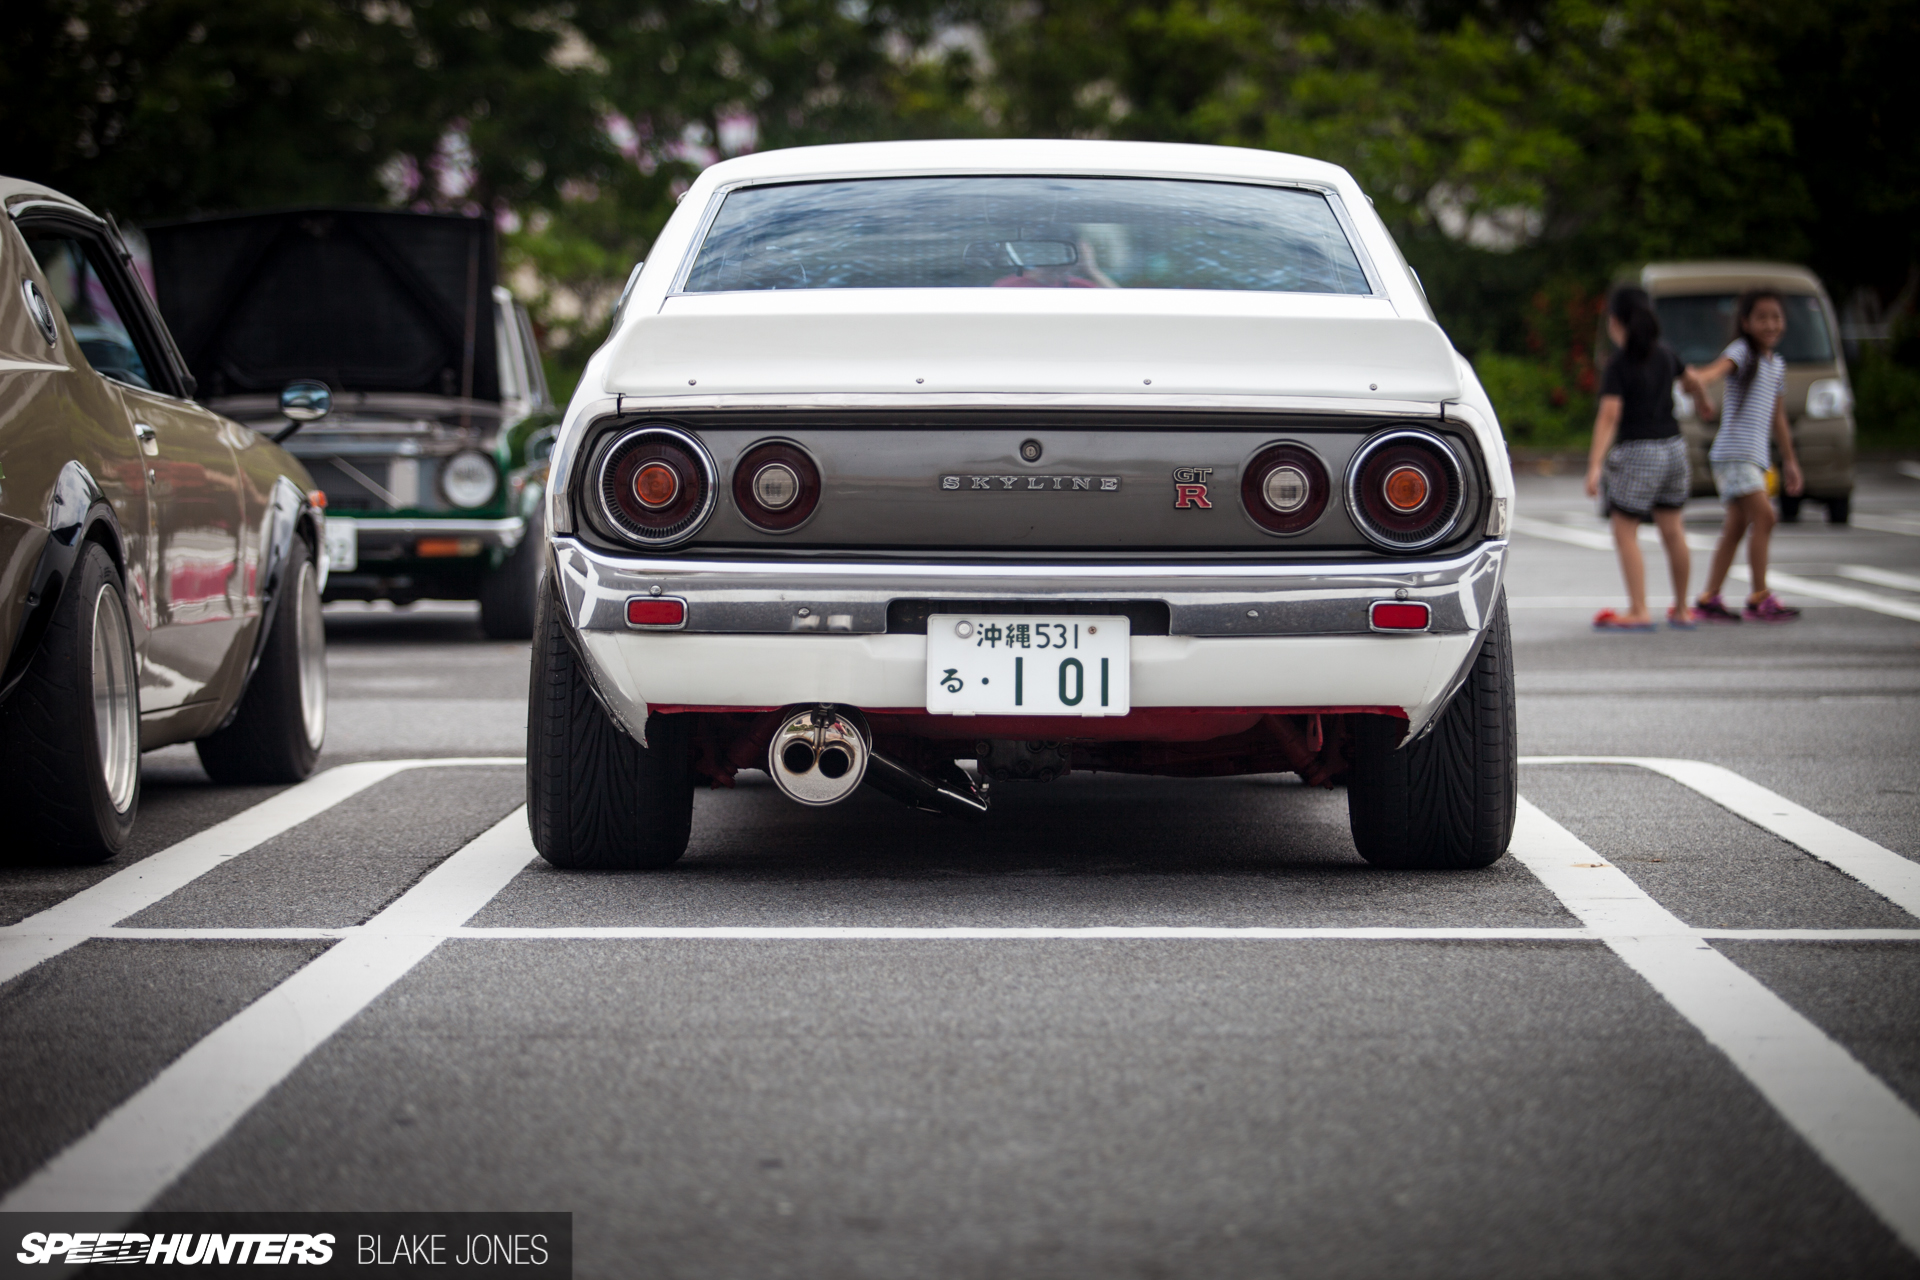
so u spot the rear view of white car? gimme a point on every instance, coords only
(1042, 456)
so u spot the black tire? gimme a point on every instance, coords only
(1789, 509)
(69, 766)
(276, 735)
(1447, 800)
(596, 799)
(507, 593)
(1840, 509)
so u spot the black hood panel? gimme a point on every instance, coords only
(364, 300)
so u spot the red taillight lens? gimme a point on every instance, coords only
(1405, 490)
(1394, 616)
(776, 485)
(655, 486)
(1284, 488)
(656, 611)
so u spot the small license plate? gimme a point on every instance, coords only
(996, 665)
(343, 545)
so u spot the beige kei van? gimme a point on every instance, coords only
(1695, 301)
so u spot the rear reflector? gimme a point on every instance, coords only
(656, 611)
(1389, 615)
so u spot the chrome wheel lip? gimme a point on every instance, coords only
(310, 640)
(116, 707)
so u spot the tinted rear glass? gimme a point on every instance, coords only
(1700, 327)
(968, 233)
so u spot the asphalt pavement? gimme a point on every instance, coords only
(1122, 1027)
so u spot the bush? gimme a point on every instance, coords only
(1537, 409)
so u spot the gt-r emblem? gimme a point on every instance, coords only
(1190, 488)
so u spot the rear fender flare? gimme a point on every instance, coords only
(77, 513)
(289, 511)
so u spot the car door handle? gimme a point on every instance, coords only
(148, 440)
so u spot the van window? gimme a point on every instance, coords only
(1700, 326)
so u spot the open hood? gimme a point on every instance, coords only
(1070, 342)
(365, 300)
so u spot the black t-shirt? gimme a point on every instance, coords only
(1645, 388)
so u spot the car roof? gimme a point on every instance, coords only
(1023, 155)
(1725, 276)
(19, 191)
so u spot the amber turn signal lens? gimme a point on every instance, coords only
(656, 485)
(1406, 488)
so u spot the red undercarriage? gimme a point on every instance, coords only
(1176, 742)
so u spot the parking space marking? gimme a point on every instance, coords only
(1880, 577)
(1859, 1126)
(1887, 524)
(86, 914)
(137, 1151)
(1833, 591)
(1880, 869)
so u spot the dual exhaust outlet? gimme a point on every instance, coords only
(820, 755)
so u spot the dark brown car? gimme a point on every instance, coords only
(160, 565)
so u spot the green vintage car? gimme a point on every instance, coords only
(433, 458)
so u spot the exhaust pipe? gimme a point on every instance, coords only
(820, 755)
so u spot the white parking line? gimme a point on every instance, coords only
(1859, 1126)
(141, 1146)
(86, 914)
(1893, 877)
(1887, 524)
(1880, 577)
(1907, 468)
(1792, 582)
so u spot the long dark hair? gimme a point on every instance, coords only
(1632, 307)
(1743, 312)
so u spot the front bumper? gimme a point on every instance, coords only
(768, 634)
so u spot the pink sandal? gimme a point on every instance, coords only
(1608, 620)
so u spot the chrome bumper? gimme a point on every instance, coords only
(386, 533)
(729, 597)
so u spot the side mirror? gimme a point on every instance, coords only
(303, 402)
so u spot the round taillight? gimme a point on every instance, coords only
(1405, 490)
(656, 485)
(776, 485)
(1284, 488)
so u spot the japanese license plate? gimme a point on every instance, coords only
(989, 664)
(343, 545)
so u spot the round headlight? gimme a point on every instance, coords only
(1284, 488)
(469, 479)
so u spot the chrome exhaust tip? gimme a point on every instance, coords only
(818, 755)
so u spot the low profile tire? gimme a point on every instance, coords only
(1447, 800)
(276, 735)
(1840, 509)
(596, 799)
(507, 593)
(70, 731)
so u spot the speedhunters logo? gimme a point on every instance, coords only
(319, 1244)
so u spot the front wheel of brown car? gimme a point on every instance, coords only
(276, 734)
(596, 799)
(1446, 800)
(70, 731)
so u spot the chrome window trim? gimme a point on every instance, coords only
(1331, 193)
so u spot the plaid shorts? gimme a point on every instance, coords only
(1643, 476)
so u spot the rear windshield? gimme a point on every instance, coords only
(1700, 327)
(1040, 232)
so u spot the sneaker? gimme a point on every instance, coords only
(1713, 609)
(1769, 609)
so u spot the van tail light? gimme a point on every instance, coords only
(656, 486)
(1395, 615)
(1285, 489)
(1405, 490)
(656, 611)
(776, 486)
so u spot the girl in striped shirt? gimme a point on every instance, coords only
(1753, 409)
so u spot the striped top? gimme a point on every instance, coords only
(1746, 419)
